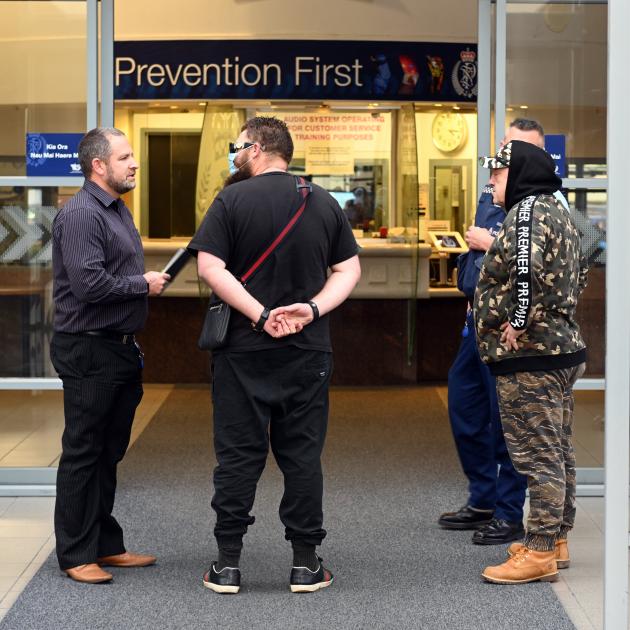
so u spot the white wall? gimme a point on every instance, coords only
(400, 20)
(556, 65)
(43, 44)
(552, 54)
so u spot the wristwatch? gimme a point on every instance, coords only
(260, 324)
(315, 310)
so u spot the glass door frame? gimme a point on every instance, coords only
(492, 90)
(40, 481)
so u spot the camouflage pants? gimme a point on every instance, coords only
(537, 417)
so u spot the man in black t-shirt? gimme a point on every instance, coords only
(270, 380)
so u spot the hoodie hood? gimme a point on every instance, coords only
(532, 171)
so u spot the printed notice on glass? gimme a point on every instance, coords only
(53, 154)
(325, 158)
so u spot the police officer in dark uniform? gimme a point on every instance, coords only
(496, 491)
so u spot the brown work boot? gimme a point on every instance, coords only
(127, 559)
(562, 552)
(89, 573)
(524, 566)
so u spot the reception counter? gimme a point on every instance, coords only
(389, 270)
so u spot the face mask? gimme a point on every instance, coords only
(231, 157)
(232, 166)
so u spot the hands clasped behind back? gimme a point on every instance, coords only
(288, 320)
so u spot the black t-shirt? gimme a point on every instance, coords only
(242, 222)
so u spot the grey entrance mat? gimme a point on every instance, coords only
(390, 469)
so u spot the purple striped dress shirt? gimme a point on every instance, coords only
(98, 265)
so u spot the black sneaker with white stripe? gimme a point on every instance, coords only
(303, 580)
(227, 580)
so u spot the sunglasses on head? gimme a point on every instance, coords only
(235, 147)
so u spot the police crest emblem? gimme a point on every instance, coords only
(464, 76)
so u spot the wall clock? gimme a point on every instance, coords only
(449, 131)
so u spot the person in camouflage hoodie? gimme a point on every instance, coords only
(525, 304)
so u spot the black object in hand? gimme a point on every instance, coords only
(177, 262)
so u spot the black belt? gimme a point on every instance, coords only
(110, 334)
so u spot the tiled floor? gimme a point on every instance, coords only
(581, 587)
(26, 530)
(26, 540)
(31, 424)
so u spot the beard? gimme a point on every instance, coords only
(243, 173)
(121, 185)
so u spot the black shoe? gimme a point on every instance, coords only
(303, 580)
(465, 518)
(497, 532)
(227, 580)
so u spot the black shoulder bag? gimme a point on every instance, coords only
(217, 320)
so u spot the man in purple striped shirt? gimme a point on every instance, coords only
(100, 296)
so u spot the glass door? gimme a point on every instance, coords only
(43, 113)
(548, 63)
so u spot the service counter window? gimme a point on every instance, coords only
(349, 154)
(380, 162)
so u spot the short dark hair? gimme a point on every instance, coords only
(272, 134)
(526, 124)
(95, 145)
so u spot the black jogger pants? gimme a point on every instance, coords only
(273, 397)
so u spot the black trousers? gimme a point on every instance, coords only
(102, 385)
(270, 397)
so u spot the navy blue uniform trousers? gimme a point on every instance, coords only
(476, 424)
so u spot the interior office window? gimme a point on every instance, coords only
(172, 177)
(447, 163)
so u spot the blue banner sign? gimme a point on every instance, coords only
(555, 145)
(286, 69)
(53, 154)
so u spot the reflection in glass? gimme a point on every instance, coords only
(556, 74)
(590, 211)
(26, 308)
(588, 429)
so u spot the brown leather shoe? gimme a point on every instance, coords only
(524, 566)
(90, 573)
(127, 559)
(562, 552)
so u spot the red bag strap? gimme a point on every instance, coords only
(305, 189)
